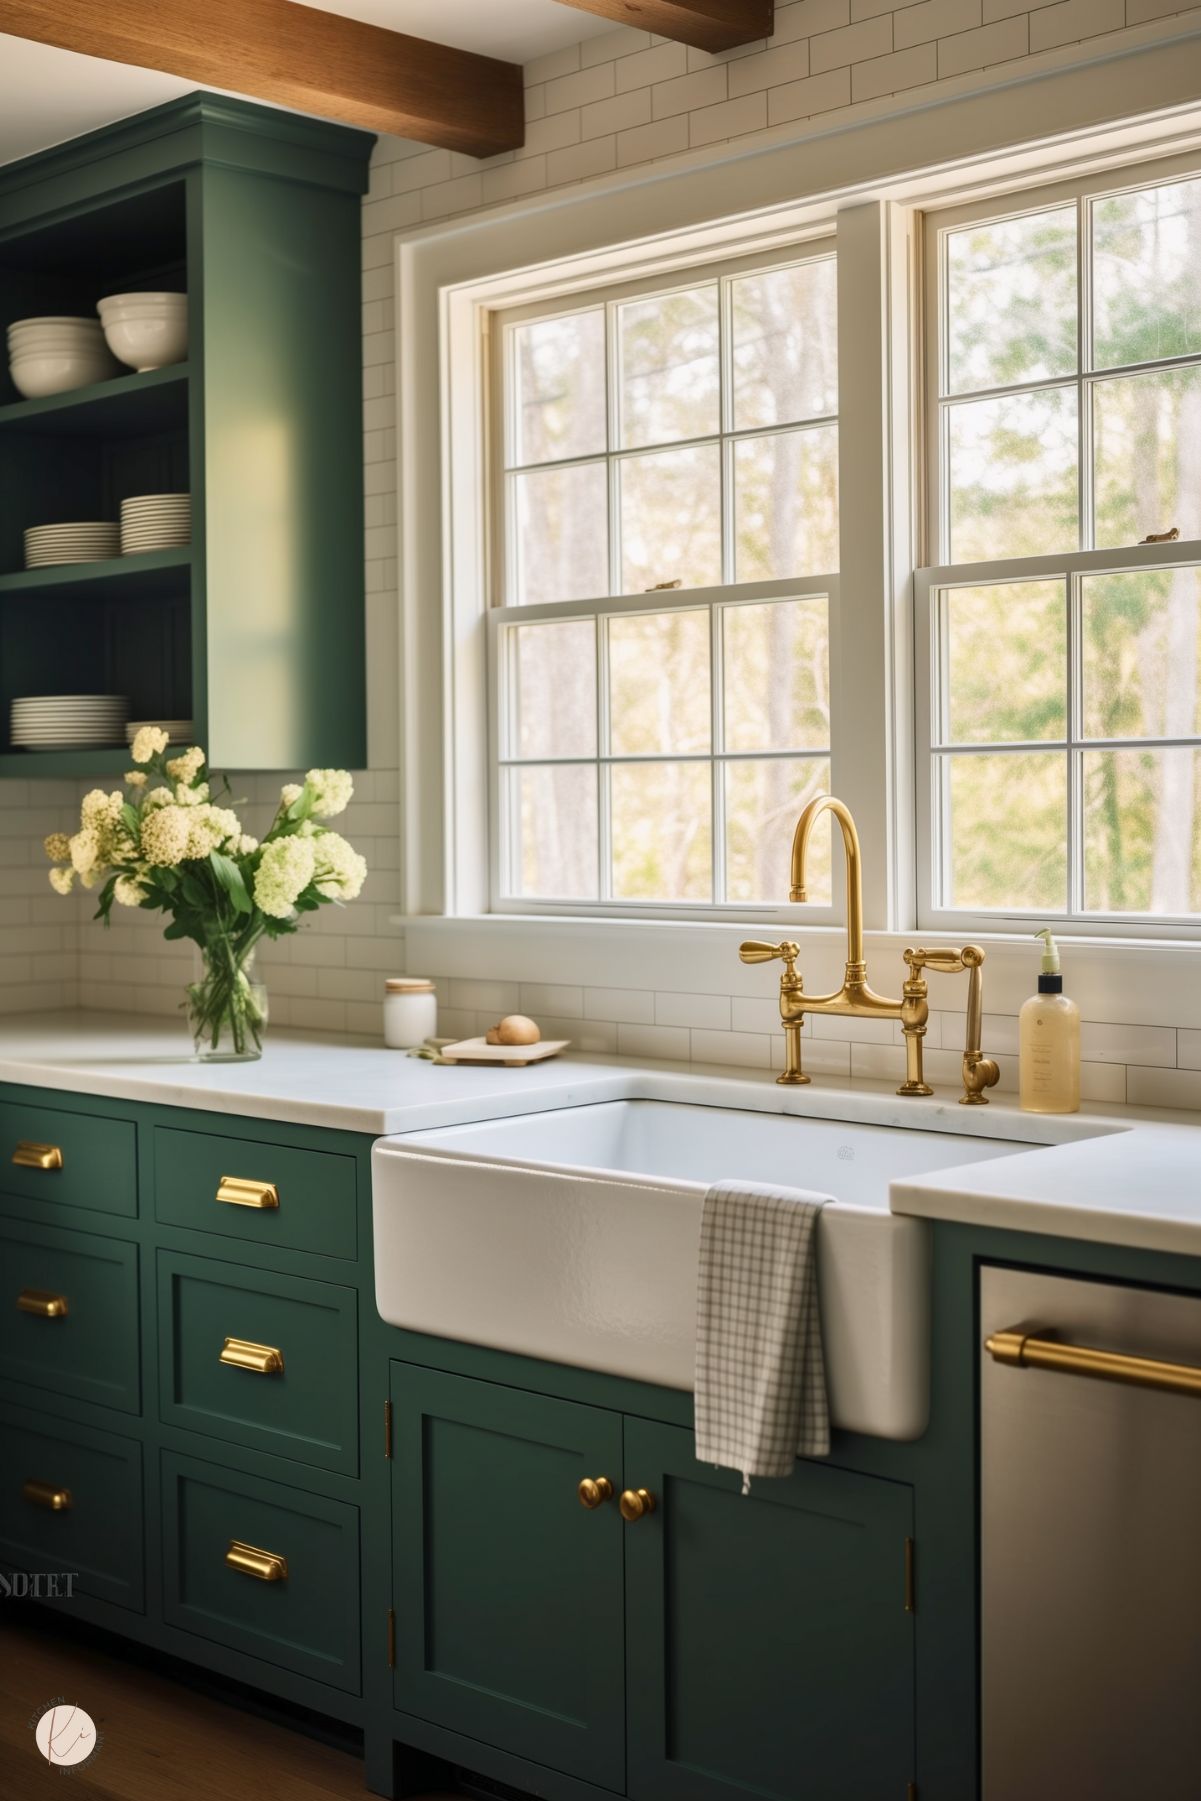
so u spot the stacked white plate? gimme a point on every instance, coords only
(155, 522)
(69, 721)
(57, 352)
(179, 731)
(84, 541)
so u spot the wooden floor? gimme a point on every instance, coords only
(160, 1740)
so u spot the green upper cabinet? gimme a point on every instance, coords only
(255, 632)
(769, 1650)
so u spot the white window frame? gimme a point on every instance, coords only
(990, 135)
(714, 600)
(1067, 566)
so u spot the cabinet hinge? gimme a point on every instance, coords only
(391, 1638)
(910, 1577)
(387, 1428)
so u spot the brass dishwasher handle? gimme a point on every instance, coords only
(635, 1504)
(594, 1491)
(264, 1566)
(45, 1494)
(37, 1156)
(43, 1303)
(1022, 1350)
(240, 1191)
(244, 1354)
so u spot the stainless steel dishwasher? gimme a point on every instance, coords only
(1091, 1540)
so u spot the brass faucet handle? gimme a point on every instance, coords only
(943, 962)
(752, 951)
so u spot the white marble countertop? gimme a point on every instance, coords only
(1116, 1175)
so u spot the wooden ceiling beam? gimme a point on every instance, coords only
(297, 56)
(705, 24)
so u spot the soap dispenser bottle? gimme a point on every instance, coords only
(1049, 1041)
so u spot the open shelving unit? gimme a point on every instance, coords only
(256, 630)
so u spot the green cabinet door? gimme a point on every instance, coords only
(769, 1651)
(508, 1592)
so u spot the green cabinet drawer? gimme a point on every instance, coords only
(71, 1500)
(303, 1403)
(306, 1618)
(310, 1194)
(507, 1591)
(69, 1314)
(96, 1166)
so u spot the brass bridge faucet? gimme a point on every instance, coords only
(856, 999)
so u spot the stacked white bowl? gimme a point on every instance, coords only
(148, 331)
(57, 352)
(155, 522)
(69, 721)
(84, 541)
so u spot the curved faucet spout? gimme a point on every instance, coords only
(826, 803)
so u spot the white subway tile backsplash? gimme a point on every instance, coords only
(1155, 1045)
(752, 1049)
(653, 1041)
(869, 37)
(1163, 1087)
(632, 1005)
(710, 1012)
(538, 998)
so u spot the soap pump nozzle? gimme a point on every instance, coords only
(1049, 979)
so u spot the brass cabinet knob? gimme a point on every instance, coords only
(249, 1560)
(594, 1491)
(40, 1302)
(635, 1503)
(47, 1495)
(37, 1156)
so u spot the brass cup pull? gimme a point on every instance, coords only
(37, 1156)
(45, 1494)
(243, 1354)
(594, 1491)
(264, 1566)
(240, 1191)
(635, 1504)
(41, 1302)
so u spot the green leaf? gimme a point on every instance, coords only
(192, 890)
(129, 818)
(230, 878)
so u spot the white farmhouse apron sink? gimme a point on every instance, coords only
(572, 1235)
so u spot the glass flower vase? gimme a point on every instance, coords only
(227, 1007)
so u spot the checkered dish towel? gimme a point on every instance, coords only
(760, 1374)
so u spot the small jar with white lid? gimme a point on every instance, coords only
(410, 1012)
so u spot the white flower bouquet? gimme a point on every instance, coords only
(170, 847)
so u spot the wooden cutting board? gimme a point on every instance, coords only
(514, 1056)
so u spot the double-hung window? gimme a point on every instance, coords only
(1058, 649)
(665, 549)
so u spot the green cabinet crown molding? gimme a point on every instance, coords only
(200, 127)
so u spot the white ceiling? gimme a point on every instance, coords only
(517, 30)
(49, 95)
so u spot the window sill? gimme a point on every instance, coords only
(1131, 981)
